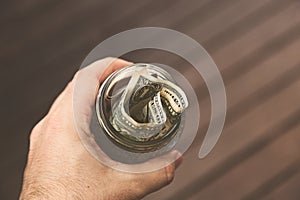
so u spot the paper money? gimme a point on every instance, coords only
(149, 107)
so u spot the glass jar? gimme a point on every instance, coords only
(141, 108)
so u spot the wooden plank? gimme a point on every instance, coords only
(245, 177)
(279, 178)
(268, 70)
(247, 23)
(176, 12)
(206, 12)
(288, 190)
(220, 23)
(252, 40)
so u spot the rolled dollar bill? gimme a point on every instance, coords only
(141, 107)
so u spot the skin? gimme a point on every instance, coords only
(59, 167)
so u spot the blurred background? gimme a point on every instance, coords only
(255, 44)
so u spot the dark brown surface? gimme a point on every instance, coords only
(255, 44)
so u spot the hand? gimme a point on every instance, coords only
(59, 167)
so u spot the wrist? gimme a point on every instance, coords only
(42, 191)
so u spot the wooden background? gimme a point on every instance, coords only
(256, 45)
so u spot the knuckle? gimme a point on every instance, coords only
(135, 190)
(169, 173)
(35, 132)
(75, 77)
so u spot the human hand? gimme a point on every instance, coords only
(59, 167)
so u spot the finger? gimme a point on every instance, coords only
(114, 64)
(87, 83)
(153, 181)
(88, 80)
(103, 68)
